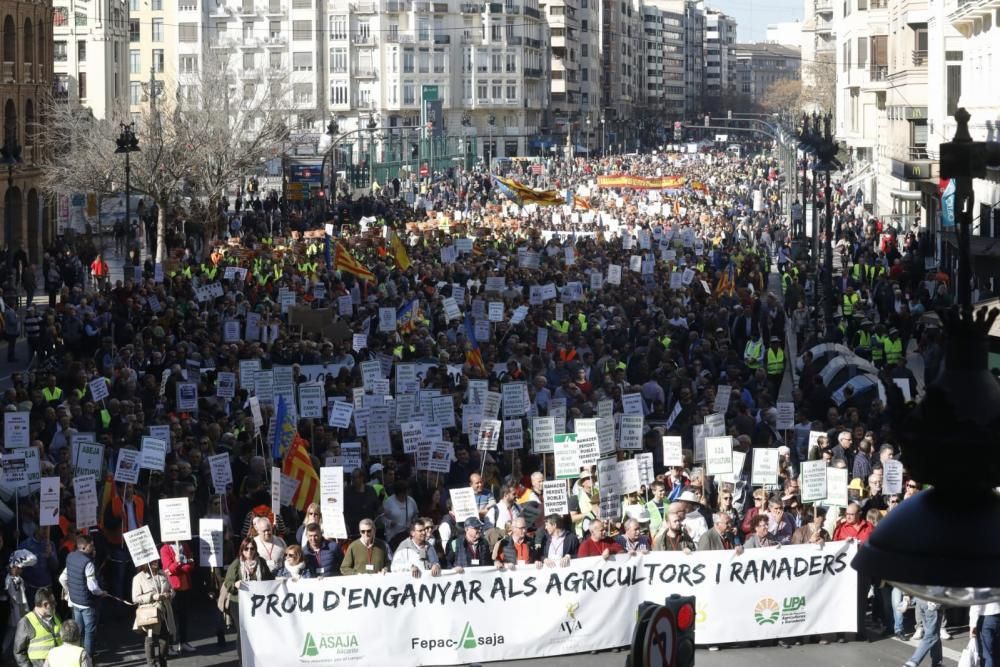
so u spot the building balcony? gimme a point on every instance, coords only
(367, 7)
(442, 39)
(878, 73)
(533, 13)
(472, 39)
(533, 43)
(470, 8)
(363, 40)
(972, 15)
(512, 9)
(441, 8)
(515, 40)
(920, 58)
(27, 72)
(823, 6)
(250, 74)
(7, 72)
(275, 11)
(276, 42)
(422, 6)
(395, 6)
(914, 165)
(496, 8)
(363, 72)
(533, 72)
(823, 26)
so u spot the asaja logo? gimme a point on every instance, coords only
(341, 644)
(766, 612)
(468, 639)
(309, 650)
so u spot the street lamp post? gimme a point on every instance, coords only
(332, 129)
(127, 143)
(371, 127)
(827, 152)
(588, 136)
(602, 136)
(492, 122)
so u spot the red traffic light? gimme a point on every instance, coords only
(685, 617)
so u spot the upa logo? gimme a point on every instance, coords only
(467, 640)
(572, 623)
(766, 612)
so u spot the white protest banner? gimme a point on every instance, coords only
(187, 396)
(739, 459)
(542, 434)
(630, 437)
(210, 542)
(411, 432)
(275, 490)
(567, 456)
(331, 490)
(443, 409)
(175, 520)
(836, 487)
(48, 502)
(476, 617)
(814, 437)
(340, 414)
(719, 455)
(16, 430)
(764, 466)
(225, 385)
(311, 399)
(495, 311)
(463, 503)
(515, 403)
(379, 439)
(786, 415)
(628, 476)
(632, 404)
(222, 472)
(673, 452)
(289, 485)
(513, 435)
(614, 274)
(85, 495)
(141, 546)
(99, 389)
(607, 477)
(645, 463)
(387, 320)
(722, 394)
(153, 454)
(127, 470)
(488, 438)
(892, 471)
(554, 497)
(606, 435)
(812, 481)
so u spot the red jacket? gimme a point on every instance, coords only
(589, 547)
(859, 531)
(179, 574)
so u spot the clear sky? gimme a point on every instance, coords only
(753, 16)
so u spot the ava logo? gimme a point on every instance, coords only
(571, 624)
(468, 639)
(309, 650)
(766, 612)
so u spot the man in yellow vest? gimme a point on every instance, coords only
(69, 653)
(775, 365)
(38, 632)
(850, 302)
(753, 354)
(893, 347)
(864, 340)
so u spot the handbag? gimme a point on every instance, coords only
(147, 615)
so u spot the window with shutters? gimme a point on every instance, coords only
(302, 61)
(274, 59)
(158, 60)
(302, 30)
(157, 30)
(338, 93)
(338, 61)
(187, 32)
(189, 64)
(302, 4)
(338, 27)
(303, 93)
(862, 52)
(954, 86)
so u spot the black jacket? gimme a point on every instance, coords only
(459, 553)
(571, 544)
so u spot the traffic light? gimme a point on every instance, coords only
(664, 634)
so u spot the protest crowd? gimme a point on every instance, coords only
(508, 369)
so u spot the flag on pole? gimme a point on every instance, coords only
(284, 429)
(298, 465)
(409, 317)
(399, 251)
(473, 356)
(343, 261)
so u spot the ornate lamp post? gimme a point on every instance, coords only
(127, 143)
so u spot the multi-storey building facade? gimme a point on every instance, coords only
(154, 38)
(760, 66)
(25, 83)
(818, 52)
(720, 60)
(89, 53)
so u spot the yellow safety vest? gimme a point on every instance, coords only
(752, 353)
(877, 349)
(849, 302)
(44, 639)
(582, 319)
(786, 282)
(775, 361)
(665, 342)
(893, 349)
(51, 395)
(864, 340)
(856, 271)
(65, 655)
(560, 325)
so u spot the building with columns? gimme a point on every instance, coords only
(25, 83)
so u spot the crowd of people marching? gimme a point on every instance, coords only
(616, 325)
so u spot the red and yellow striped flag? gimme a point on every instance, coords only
(343, 261)
(299, 466)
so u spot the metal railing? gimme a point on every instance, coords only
(918, 153)
(878, 72)
(919, 57)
